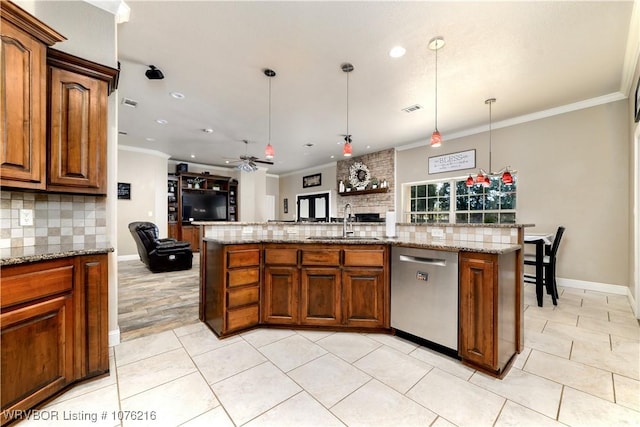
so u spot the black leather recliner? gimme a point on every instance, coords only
(160, 254)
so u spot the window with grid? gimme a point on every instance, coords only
(430, 202)
(452, 201)
(493, 204)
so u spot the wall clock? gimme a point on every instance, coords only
(359, 175)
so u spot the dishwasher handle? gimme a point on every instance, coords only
(423, 260)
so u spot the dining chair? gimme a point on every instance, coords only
(549, 263)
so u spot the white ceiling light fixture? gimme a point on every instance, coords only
(397, 52)
(436, 44)
(177, 95)
(347, 150)
(269, 152)
(162, 121)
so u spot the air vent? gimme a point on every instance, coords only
(129, 102)
(412, 108)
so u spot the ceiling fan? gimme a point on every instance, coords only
(246, 162)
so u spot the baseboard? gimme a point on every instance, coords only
(128, 257)
(114, 337)
(594, 286)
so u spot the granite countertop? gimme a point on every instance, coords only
(25, 254)
(443, 245)
(295, 223)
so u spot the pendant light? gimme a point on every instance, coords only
(436, 43)
(483, 178)
(269, 152)
(347, 150)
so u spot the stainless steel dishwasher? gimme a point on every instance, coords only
(424, 295)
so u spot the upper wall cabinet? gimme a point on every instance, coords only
(24, 40)
(77, 113)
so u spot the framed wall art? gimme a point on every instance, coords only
(312, 180)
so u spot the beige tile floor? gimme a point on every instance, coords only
(580, 367)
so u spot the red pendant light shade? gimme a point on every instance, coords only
(507, 178)
(269, 152)
(470, 181)
(346, 148)
(436, 139)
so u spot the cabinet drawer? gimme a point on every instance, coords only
(242, 296)
(288, 256)
(321, 257)
(245, 276)
(242, 317)
(364, 257)
(36, 281)
(243, 258)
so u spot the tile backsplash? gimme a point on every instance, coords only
(57, 219)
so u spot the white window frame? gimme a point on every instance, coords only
(406, 202)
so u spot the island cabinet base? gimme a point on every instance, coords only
(309, 286)
(489, 311)
(230, 287)
(54, 328)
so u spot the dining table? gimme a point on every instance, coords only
(539, 240)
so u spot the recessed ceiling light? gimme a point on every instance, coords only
(150, 139)
(207, 130)
(193, 156)
(368, 146)
(308, 145)
(161, 121)
(397, 52)
(227, 161)
(177, 95)
(333, 157)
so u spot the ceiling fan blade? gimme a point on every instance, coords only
(266, 162)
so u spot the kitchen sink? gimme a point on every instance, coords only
(341, 238)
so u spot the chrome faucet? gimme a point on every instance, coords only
(347, 226)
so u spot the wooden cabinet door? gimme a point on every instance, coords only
(363, 297)
(191, 234)
(320, 294)
(92, 317)
(478, 317)
(36, 351)
(281, 295)
(172, 230)
(77, 132)
(22, 109)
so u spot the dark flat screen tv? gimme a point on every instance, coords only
(203, 206)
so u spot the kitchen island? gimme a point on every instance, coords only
(308, 276)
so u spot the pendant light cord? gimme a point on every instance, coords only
(437, 85)
(348, 137)
(269, 109)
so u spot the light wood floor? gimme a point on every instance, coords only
(154, 302)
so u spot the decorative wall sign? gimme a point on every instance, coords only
(452, 162)
(312, 180)
(124, 190)
(359, 175)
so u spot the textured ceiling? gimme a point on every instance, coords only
(531, 56)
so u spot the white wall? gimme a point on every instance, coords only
(148, 193)
(291, 186)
